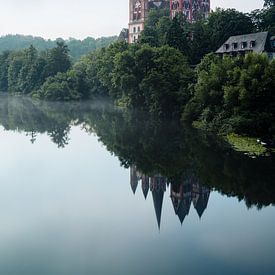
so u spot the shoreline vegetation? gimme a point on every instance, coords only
(231, 96)
(139, 140)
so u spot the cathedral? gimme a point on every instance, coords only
(139, 10)
(191, 9)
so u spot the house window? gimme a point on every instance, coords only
(135, 29)
(244, 45)
(252, 44)
(138, 29)
(226, 47)
(234, 45)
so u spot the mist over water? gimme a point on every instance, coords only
(86, 188)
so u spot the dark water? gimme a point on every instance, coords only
(88, 189)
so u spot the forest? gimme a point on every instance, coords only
(77, 47)
(170, 72)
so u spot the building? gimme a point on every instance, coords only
(138, 13)
(191, 9)
(259, 42)
(139, 10)
(123, 36)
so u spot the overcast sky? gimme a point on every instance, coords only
(79, 18)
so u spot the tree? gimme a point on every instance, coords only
(264, 19)
(156, 27)
(225, 23)
(58, 59)
(269, 3)
(235, 95)
(179, 34)
(4, 65)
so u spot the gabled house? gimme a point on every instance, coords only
(259, 42)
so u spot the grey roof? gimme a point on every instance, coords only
(123, 35)
(260, 39)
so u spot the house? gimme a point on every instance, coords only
(259, 42)
(123, 36)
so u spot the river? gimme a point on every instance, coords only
(86, 188)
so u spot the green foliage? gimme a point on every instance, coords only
(90, 77)
(264, 20)
(155, 79)
(156, 27)
(222, 24)
(77, 48)
(269, 3)
(235, 95)
(26, 70)
(196, 39)
(62, 87)
(246, 144)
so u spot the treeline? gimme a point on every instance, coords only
(234, 95)
(25, 71)
(196, 39)
(224, 95)
(77, 47)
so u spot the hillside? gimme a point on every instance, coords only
(77, 48)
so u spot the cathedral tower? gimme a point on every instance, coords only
(138, 13)
(192, 9)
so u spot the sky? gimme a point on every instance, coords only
(79, 18)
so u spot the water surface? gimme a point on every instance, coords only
(89, 189)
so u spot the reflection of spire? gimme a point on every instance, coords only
(158, 187)
(183, 193)
(181, 196)
(200, 198)
(133, 178)
(145, 185)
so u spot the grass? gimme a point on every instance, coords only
(248, 145)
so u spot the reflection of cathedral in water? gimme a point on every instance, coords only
(183, 194)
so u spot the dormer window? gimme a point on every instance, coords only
(244, 45)
(234, 45)
(252, 44)
(226, 47)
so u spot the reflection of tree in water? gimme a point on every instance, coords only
(60, 136)
(167, 148)
(23, 114)
(33, 136)
(155, 147)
